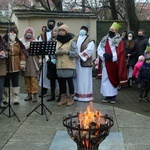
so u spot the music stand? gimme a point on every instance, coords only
(11, 112)
(42, 48)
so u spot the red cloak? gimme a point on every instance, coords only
(117, 71)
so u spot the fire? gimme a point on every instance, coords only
(89, 128)
(89, 117)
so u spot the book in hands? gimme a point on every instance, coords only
(83, 56)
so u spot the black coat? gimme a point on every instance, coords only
(130, 48)
(144, 73)
(141, 44)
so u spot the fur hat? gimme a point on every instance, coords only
(85, 27)
(65, 27)
(141, 58)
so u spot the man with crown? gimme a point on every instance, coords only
(112, 54)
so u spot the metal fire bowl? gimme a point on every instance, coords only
(93, 140)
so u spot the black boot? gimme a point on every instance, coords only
(52, 98)
(44, 92)
(59, 98)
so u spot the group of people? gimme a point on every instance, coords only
(71, 66)
(124, 58)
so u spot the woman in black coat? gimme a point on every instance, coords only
(131, 55)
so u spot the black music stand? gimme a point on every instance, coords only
(11, 112)
(42, 48)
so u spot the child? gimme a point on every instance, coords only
(137, 66)
(144, 79)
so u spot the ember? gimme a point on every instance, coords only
(88, 129)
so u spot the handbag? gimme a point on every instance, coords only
(51, 70)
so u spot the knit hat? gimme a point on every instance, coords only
(50, 20)
(141, 58)
(85, 27)
(64, 27)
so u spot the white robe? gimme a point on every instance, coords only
(46, 81)
(83, 81)
(107, 89)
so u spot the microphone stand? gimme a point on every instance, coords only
(11, 112)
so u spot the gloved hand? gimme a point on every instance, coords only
(107, 56)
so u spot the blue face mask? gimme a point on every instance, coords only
(82, 32)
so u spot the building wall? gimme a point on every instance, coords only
(26, 19)
(73, 23)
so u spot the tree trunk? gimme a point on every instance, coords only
(83, 5)
(131, 19)
(113, 10)
(58, 5)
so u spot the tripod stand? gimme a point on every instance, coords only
(42, 48)
(11, 112)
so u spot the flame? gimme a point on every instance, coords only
(89, 116)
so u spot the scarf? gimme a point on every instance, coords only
(64, 38)
(130, 44)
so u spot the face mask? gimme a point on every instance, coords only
(29, 36)
(129, 38)
(82, 32)
(50, 26)
(12, 37)
(140, 36)
(111, 34)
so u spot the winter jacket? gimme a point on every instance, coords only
(137, 68)
(141, 44)
(130, 48)
(144, 73)
(17, 58)
(64, 61)
(2, 60)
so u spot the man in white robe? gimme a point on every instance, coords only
(83, 81)
(46, 36)
(112, 55)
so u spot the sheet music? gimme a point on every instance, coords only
(42, 48)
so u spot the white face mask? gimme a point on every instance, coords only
(82, 32)
(129, 38)
(12, 37)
